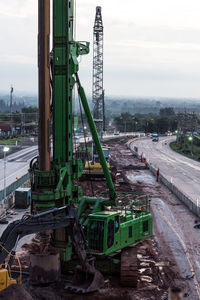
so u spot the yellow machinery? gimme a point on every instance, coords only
(5, 269)
(93, 168)
(86, 278)
(5, 278)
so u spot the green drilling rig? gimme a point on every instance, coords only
(108, 225)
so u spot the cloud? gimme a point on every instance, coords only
(150, 43)
(18, 59)
(22, 76)
(18, 8)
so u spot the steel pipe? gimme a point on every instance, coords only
(44, 84)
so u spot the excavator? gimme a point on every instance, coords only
(103, 226)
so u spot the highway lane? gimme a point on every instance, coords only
(17, 165)
(108, 136)
(180, 170)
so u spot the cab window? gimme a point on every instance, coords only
(116, 224)
(110, 239)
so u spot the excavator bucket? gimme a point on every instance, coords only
(86, 281)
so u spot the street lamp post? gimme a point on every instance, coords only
(191, 144)
(5, 150)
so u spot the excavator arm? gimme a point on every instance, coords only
(64, 217)
(29, 225)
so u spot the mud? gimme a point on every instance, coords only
(15, 292)
(41, 271)
(156, 274)
(168, 260)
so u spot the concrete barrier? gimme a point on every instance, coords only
(9, 200)
(173, 188)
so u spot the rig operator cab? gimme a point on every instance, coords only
(108, 231)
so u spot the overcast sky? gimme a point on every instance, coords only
(151, 47)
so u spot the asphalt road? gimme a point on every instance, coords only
(111, 136)
(17, 165)
(182, 171)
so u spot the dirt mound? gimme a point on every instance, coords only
(15, 292)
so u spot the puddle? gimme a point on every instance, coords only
(141, 176)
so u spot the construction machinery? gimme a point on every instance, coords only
(93, 168)
(54, 218)
(97, 84)
(109, 224)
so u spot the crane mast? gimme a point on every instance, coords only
(97, 86)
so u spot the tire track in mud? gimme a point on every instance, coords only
(184, 238)
(185, 250)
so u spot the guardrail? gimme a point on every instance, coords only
(13, 186)
(173, 188)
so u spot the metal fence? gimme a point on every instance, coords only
(13, 186)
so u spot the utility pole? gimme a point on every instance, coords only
(11, 103)
(97, 87)
(5, 150)
(22, 123)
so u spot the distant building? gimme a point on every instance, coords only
(5, 129)
(18, 128)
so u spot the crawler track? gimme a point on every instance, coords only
(129, 267)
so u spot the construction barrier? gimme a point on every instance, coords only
(13, 186)
(169, 184)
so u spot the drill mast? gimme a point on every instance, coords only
(53, 179)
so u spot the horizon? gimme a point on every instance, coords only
(19, 94)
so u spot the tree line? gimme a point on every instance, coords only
(26, 115)
(165, 121)
(5, 106)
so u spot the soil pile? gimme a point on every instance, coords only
(15, 292)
